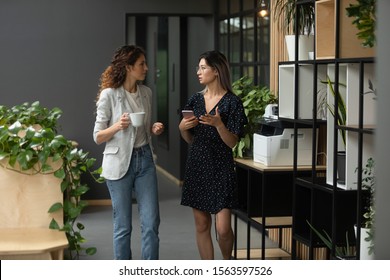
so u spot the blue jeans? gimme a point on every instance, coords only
(141, 178)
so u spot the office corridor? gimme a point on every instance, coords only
(177, 231)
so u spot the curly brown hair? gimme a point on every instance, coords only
(115, 74)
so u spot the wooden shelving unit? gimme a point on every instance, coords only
(328, 24)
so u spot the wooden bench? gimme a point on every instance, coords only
(24, 218)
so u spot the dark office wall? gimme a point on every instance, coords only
(186, 43)
(54, 51)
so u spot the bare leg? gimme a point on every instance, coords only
(225, 233)
(203, 223)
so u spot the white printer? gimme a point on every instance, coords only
(273, 145)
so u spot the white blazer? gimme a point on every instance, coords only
(118, 150)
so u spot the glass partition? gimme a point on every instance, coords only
(248, 38)
(234, 42)
(245, 39)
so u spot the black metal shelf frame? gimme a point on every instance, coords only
(264, 194)
(315, 184)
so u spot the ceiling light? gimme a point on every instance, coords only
(263, 11)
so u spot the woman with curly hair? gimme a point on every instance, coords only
(128, 162)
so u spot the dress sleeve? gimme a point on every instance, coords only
(237, 118)
(191, 102)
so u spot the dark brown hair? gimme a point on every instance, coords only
(218, 61)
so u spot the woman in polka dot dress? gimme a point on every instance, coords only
(210, 179)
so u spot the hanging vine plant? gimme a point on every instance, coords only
(29, 143)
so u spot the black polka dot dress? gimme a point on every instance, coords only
(210, 180)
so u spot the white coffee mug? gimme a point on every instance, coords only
(137, 119)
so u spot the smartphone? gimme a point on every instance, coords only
(187, 114)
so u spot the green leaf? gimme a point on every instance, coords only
(25, 158)
(55, 144)
(80, 190)
(56, 157)
(3, 155)
(30, 132)
(68, 227)
(98, 171)
(247, 141)
(54, 225)
(55, 207)
(327, 240)
(47, 133)
(100, 180)
(74, 212)
(341, 112)
(91, 251)
(65, 185)
(15, 127)
(90, 162)
(60, 173)
(43, 154)
(363, 13)
(80, 226)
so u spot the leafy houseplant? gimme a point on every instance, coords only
(364, 14)
(255, 98)
(368, 184)
(341, 107)
(340, 252)
(287, 9)
(295, 18)
(341, 115)
(28, 143)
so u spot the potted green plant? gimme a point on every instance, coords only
(340, 252)
(29, 141)
(341, 107)
(342, 119)
(289, 19)
(255, 98)
(287, 10)
(364, 14)
(341, 114)
(367, 226)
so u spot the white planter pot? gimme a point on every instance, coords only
(306, 45)
(364, 245)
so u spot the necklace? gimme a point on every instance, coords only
(131, 90)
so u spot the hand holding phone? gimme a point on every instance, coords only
(187, 113)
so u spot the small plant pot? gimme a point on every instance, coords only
(305, 46)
